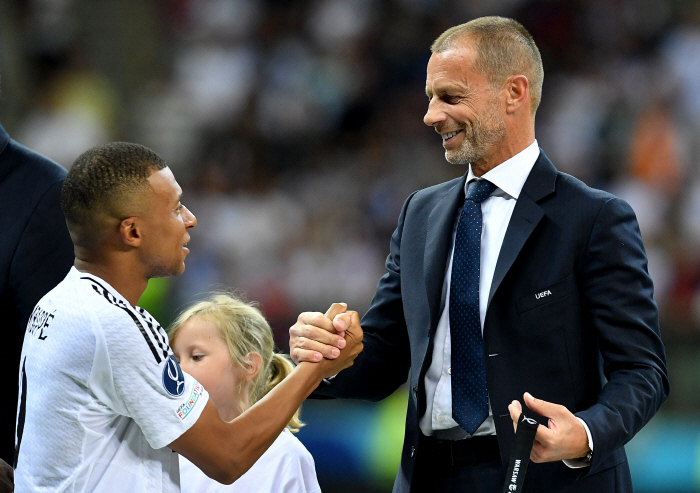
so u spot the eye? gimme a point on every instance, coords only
(197, 357)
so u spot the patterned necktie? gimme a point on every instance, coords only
(470, 403)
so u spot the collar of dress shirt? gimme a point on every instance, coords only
(510, 175)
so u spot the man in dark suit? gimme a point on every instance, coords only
(535, 284)
(36, 253)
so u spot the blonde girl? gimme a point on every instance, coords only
(227, 345)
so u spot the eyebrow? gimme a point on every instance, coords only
(447, 89)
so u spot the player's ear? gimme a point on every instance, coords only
(252, 364)
(130, 231)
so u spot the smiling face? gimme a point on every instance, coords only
(463, 108)
(165, 225)
(203, 354)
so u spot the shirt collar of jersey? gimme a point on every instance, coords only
(510, 175)
(100, 281)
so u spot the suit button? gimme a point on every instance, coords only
(413, 450)
(415, 391)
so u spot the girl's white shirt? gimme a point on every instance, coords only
(286, 467)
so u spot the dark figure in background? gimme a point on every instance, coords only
(6, 477)
(535, 284)
(36, 253)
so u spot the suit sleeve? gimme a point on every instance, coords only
(44, 254)
(619, 304)
(384, 363)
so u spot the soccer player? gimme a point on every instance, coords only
(103, 402)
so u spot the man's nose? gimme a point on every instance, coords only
(434, 115)
(190, 219)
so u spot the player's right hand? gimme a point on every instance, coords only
(349, 323)
(314, 336)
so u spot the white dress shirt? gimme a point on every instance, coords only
(509, 178)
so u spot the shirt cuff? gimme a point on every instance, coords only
(583, 462)
(326, 382)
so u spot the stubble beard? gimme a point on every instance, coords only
(479, 138)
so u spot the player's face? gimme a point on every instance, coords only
(166, 225)
(462, 107)
(205, 356)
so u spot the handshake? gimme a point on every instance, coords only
(318, 337)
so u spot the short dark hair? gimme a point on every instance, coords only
(504, 48)
(103, 176)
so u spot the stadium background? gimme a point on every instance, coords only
(295, 128)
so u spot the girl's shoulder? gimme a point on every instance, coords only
(290, 447)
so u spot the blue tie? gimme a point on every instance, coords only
(470, 401)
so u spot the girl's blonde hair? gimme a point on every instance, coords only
(244, 330)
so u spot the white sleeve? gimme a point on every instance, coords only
(136, 374)
(579, 463)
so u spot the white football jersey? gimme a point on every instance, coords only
(101, 395)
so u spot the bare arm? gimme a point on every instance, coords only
(225, 451)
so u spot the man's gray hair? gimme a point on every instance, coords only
(503, 47)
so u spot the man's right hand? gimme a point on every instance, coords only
(316, 336)
(347, 323)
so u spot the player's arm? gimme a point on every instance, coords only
(225, 451)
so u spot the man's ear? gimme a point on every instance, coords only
(130, 232)
(517, 93)
(252, 364)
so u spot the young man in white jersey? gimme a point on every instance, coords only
(103, 402)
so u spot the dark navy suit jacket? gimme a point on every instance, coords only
(36, 253)
(591, 345)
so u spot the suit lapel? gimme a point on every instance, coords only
(526, 216)
(440, 227)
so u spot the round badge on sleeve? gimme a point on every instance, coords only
(173, 378)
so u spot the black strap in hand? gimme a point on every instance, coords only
(520, 455)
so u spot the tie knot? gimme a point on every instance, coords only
(479, 190)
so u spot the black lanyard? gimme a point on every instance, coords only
(520, 455)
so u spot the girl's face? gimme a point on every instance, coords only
(205, 356)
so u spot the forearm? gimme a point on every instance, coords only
(252, 433)
(376, 374)
(225, 451)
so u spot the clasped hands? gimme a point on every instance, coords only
(316, 336)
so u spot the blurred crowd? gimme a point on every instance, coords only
(295, 128)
